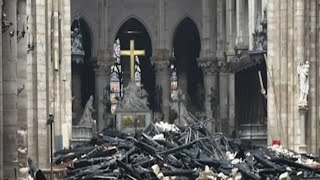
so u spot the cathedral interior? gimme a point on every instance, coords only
(239, 66)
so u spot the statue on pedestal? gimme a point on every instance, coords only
(303, 73)
(135, 98)
(86, 119)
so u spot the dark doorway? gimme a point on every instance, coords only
(251, 104)
(132, 29)
(83, 77)
(187, 47)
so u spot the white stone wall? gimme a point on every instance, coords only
(292, 37)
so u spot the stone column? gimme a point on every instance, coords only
(31, 81)
(283, 94)
(291, 68)
(223, 96)
(252, 20)
(223, 75)
(208, 35)
(210, 71)
(22, 133)
(220, 29)
(299, 54)
(9, 75)
(230, 38)
(273, 131)
(230, 26)
(100, 83)
(41, 91)
(65, 41)
(313, 78)
(55, 67)
(1, 102)
(162, 74)
(240, 41)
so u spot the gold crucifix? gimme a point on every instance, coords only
(132, 52)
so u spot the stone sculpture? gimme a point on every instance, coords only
(135, 98)
(86, 119)
(76, 41)
(303, 73)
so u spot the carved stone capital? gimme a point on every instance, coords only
(209, 67)
(160, 55)
(224, 66)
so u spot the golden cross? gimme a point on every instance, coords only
(132, 52)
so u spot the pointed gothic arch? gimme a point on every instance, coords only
(138, 20)
(187, 45)
(83, 75)
(142, 40)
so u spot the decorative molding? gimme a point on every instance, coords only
(160, 55)
(224, 66)
(209, 67)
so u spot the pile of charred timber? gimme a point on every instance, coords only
(164, 151)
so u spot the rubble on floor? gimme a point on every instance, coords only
(164, 151)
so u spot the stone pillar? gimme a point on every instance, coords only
(299, 54)
(101, 77)
(9, 75)
(1, 102)
(230, 26)
(210, 70)
(208, 60)
(22, 133)
(252, 20)
(41, 90)
(223, 96)
(273, 131)
(231, 95)
(208, 35)
(54, 83)
(240, 41)
(230, 38)
(65, 9)
(223, 75)
(162, 79)
(312, 144)
(283, 89)
(220, 29)
(31, 81)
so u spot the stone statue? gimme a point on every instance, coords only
(116, 50)
(86, 119)
(303, 73)
(76, 41)
(135, 98)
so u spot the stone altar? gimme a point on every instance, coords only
(133, 113)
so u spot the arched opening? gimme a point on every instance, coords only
(186, 44)
(132, 29)
(83, 79)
